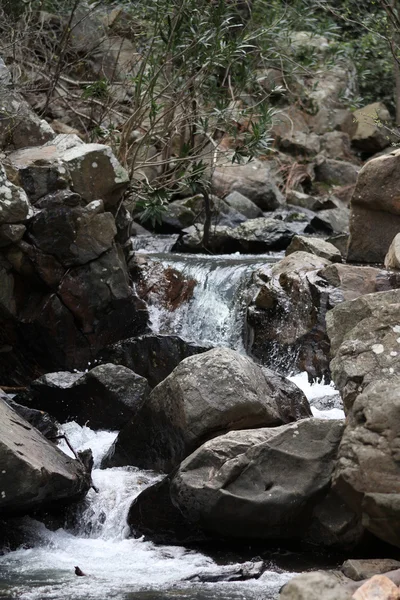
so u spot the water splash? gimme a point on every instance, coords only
(216, 312)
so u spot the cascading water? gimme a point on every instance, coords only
(216, 312)
(116, 565)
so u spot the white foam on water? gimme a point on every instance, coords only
(117, 566)
(315, 391)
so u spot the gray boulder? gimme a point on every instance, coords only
(260, 484)
(254, 180)
(364, 335)
(318, 585)
(19, 125)
(364, 568)
(11, 233)
(316, 246)
(90, 170)
(83, 234)
(370, 137)
(367, 473)
(334, 220)
(243, 205)
(352, 281)
(287, 315)
(34, 471)
(151, 356)
(105, 397)
(204, 396)
(181, 214)
(375, 209)
(254, 236)
(336, 172)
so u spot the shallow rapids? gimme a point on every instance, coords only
(116, 566)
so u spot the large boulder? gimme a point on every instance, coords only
(364, 335)
(260, 484)
(254, 180)
(335, 172)
(254, 236)
(316, 246)
(19, 125)
(375, 209)
(370, 136)
(287, 315)
(367, 474)
(34, 472)
(243, 205)
(82, 234)
(352, 281)
(152, 356)
(105, 397)
(204, 396)
(91, 170)
(292, 299)
(181, 214)
(318, 585)
(55, 319)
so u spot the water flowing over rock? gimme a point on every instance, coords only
(34, 471)
(104, 398)
(219, 294)
(292, 303)
(206, 394)
(287, 315)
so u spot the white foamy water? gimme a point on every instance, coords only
(323, 398)
(216, 312)
(116, 566)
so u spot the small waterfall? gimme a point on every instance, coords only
(216, 312)
(117, 566)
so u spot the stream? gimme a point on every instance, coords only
(126, 568)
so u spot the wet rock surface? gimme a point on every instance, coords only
(151, 356)
(205, 395)
(210, 495)
(34, 471)
(105, 397)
